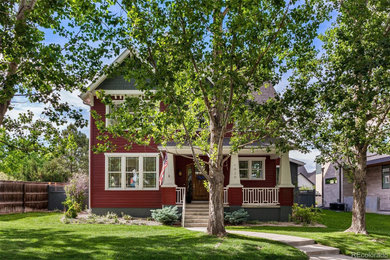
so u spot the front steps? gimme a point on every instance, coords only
(196, 214)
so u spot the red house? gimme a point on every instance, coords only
(128, 181)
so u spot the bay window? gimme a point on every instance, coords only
(252, 168)
(130, 171)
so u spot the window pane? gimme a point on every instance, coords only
(243, 173)
(114, 180)
(132, 179)
(114, 164)
(131, 164)
(149, 164)
(243, 164)
(257, 165)
(149, 180)
(257, 169)
(257, 174)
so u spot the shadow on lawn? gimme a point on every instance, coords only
(47, 243)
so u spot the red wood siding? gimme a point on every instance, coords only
(168, 196)
(270, 174)
(100, 198)
(286, 196)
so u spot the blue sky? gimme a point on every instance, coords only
(21, 105)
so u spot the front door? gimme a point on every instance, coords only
(199, 192)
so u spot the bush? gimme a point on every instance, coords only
(236, 217)
(305, 215)
(166, 215)
(76, 193)
(72, 208)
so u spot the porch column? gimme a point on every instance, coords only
(286, 188)
(285, 172)
(234, 177)
(234, 187)
(169, 176)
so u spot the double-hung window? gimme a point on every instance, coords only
(130, 171)
(252, 168)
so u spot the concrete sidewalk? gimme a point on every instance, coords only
(306, 245)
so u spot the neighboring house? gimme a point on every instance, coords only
(337, 187)
(259, 181)
(306, 180)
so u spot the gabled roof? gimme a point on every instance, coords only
(300, 163)
(313, 183)
(95, 84)
(311, 176)
(377, 159)
(118, 85)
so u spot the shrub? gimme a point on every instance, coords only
(72, 208)
(76, 193)
(166, 215)
(126, 217)
(77, 188)
(305, 215)
(111, 215)
(236, 217)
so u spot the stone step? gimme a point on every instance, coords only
(203, 221)
(197, 206)
(195, 225)
(194, 211)
(196, 217)
(318, 250)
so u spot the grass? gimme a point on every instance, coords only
(376, 244)
(43, 236)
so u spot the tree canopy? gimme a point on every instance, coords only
(343, 97)
(203, 67)
(33, 66)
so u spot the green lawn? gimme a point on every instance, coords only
(43, 236)
(376, 243)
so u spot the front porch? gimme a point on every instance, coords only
(272, 191)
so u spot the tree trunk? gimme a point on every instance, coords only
(216, 216)
(3, 110)
(358, 225)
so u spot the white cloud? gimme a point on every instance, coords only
(21, 105)
(307, 158)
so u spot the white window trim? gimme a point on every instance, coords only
(250, 159)
(123, 170)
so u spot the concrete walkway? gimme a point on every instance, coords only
(306, 245)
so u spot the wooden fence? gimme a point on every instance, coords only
(16, 197)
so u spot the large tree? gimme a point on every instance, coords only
(344, 96)
(204, 63)
(37, 151)
(34, 66)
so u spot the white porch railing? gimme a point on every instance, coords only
(225, 196)
(180, 195)
(260, 196)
